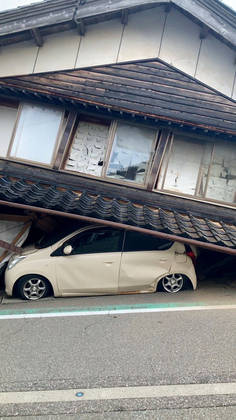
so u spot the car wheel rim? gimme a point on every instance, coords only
(173, 283)
(34, 289)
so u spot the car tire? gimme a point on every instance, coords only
(172, 283)
(33, 287)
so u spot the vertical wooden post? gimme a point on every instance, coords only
(65, 138)
(164, 137)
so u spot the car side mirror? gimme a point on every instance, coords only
(67, 250)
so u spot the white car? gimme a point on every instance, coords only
(97, 260)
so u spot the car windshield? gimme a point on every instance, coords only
(51, 238)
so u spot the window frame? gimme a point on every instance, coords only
(8, 103)
(57, 139)
(131, 232)
(107, 156)
(58, 252)
(168, 149)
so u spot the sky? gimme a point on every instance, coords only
(10, 4)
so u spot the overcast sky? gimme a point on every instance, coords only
(9, 4)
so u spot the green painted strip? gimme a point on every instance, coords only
(98, 308)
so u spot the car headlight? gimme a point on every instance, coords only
(14, 260)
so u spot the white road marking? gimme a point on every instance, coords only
(118, 393)
(114, 311)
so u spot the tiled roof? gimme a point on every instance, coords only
(185, 223)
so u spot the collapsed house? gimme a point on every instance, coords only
(122, 113)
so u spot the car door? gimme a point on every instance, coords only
(93, 265)
(143, 260)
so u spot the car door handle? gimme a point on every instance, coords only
(163, 259)
(108, 262)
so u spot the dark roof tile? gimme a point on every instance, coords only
(119, 210)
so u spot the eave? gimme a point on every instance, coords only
(94, 201)
(57, 15)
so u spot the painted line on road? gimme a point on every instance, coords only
(79, 395)
(107, 310)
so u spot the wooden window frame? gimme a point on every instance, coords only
(56, 145)
(168, 148)
(111, 137)
(9, 103)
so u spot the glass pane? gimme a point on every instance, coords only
(88, 149)
(222, 179)
(135, 241)
(98, 241)
(184, 165)
(36, 133)
(7, 122)
(131, 153)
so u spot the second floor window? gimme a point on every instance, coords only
(36, 134)
(201, 169)
(115, 150)
(30, 132)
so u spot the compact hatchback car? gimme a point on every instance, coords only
(100, 260)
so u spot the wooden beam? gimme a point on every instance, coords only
(124, 16)
(65, 139)
(36, 35)
(81, 27)
(168, 8)
(10, 247)
(204, 32)
(164, 137)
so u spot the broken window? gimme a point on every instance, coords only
(206, 170)
(131, 153)
(88, 149)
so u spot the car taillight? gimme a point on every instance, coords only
(192, 256)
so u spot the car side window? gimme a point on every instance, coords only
(97, 241)
(135, 241)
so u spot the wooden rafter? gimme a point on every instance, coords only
(36, 35)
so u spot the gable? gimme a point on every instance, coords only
(146, 89)
(196, 37)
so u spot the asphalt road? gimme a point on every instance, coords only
(75, 353)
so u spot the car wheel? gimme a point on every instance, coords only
(173, 283)
(33, 287)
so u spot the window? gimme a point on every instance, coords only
(204, 170)
(135, 241)
(129, 157)
(222, 173)
(36, 133)
(131, 153)
(7, 121)
(88, 149)
(97, 241)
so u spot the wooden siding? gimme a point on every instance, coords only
(144, 88)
